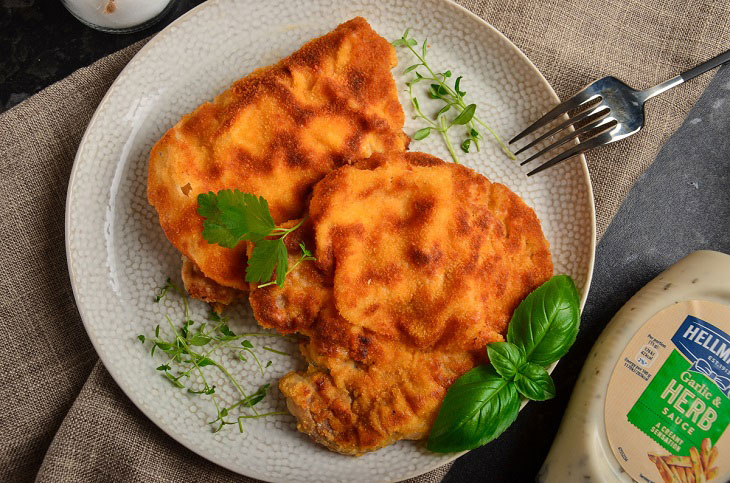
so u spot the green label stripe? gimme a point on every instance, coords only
(678, 409)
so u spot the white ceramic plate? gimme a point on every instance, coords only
(118, 255)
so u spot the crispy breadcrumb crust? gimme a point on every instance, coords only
(275, 133)
(420, 264)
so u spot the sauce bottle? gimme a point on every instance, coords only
(652, 403)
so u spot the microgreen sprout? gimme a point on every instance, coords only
(192, 347)
(463, 114)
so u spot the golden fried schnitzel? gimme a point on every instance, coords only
(275, 133)
(420, 264)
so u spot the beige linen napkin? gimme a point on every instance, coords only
(64, 418)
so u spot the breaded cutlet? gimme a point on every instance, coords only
(420, 264)
(275, 133)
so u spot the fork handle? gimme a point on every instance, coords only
(684, 76)
(705, 66)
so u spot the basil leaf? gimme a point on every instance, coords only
(535, 383)
(545, 324)
(506, 358)
(477, 408)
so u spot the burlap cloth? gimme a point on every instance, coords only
(63, 417)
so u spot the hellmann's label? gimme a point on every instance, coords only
(668, 400)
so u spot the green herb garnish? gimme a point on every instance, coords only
(163, 291)
(232, 217)
(483, 403)
(191, 348)
(463, 114)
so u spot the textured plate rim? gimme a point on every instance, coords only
(67, 223)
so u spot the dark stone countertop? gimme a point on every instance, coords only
(42, 43)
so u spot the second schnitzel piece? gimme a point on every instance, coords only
(420, 264)
(274, 133)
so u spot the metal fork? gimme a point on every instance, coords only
(611, 109)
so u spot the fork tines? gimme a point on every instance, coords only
(590, 108)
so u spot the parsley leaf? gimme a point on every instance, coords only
(262, 261)
(232, 217)
(214, 233)
(282, 263)
(213, 229)
(257, 218)
(208, 206)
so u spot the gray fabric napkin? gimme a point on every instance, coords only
(65, 419)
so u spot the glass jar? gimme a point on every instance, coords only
(118, 16)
